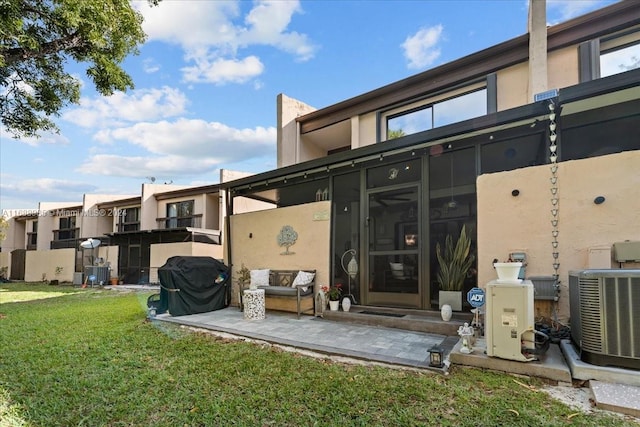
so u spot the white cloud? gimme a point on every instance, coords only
(421, 49)
(222, 71)
(141, 166)
(571, 8)
(217, 30)
(46, 189)
(150, 66)
(196, 138)
(184, 147)
(44, 138)
(119, 108)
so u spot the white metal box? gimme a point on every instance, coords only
(509, 320)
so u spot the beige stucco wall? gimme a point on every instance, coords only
(254, 238)
(149, 204)
(15, 236)
(49, 221)
(94, 222)
(5, 261)
(40, 262)
(160, 252)
(287, 109)
(110, 256)
(523, 223)
(563, 68)
(367, 130)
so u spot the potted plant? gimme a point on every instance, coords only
(333, 294)
(454, 261)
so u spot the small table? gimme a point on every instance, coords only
(253, 304)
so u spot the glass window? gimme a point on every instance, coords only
(620, 60)
(460, 108)
(513, 153)
(408, 123)
(179, 214)
(453, 110)
(392, 174)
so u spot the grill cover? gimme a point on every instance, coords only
(194, 284)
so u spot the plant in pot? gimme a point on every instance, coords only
(454, 262)
(333, 294)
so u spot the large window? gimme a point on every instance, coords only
(620, 53)
(180, 214)
(441, 113)
(129, 219)
(67, 229)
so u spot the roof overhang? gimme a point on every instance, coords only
(612, 89)
(478, 65)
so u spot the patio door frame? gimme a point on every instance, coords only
(393, 299)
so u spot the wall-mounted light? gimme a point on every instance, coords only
(599, 200)
(250, 235)
(515, 193)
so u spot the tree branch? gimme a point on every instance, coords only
(63, 44)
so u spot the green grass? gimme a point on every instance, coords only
(90, 357)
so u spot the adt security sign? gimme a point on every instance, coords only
(475, 297)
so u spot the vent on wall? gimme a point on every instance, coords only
(604, 308)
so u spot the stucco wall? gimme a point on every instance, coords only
(563, 68)
(287, 134)
(110, 255)
(5, 261)
(523, 223)
(367, 130)
(160, 252)
(39, 262)
(254, 238)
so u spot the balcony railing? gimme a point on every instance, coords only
(194, 221)
(66, 234)
(128, 226)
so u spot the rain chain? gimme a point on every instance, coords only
(553, 158)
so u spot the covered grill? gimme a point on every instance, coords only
(193, 284)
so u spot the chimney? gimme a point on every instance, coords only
(537, 28)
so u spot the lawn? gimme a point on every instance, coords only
(72, 357)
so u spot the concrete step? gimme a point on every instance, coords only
(621, 398)
(428, 321)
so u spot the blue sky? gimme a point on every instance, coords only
(208, 76)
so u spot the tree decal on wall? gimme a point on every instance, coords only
(286, 238)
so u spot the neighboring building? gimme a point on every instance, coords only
(137, 234)
(516, 142)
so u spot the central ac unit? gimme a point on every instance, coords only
(605, 316)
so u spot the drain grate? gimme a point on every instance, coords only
(380, 313)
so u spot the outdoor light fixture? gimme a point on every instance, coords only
(435, 357)
(515, 193)
(599, 200)
(351, 269)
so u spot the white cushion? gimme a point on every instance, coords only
(303, 278)
(397, 269)
(260, 277)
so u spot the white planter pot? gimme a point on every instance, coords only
(452, 298)
(346, 304)
(446, 312)
(508, 271)
(334, 305)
